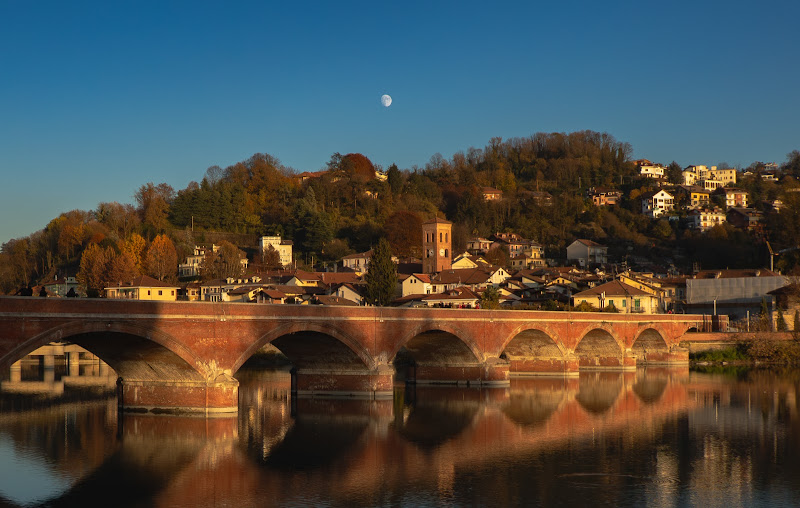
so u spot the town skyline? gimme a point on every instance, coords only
(104, 98)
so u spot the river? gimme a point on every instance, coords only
(654, 437)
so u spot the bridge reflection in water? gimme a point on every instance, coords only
(621, 438)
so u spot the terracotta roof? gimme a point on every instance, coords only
(613, 288)
(462, 276)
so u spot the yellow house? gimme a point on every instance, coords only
(143, 288)
(626, 299)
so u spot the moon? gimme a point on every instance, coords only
(386, 100)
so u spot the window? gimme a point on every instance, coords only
(624, 303)
(159, 292)
(148, 292)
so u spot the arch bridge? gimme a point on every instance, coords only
(183, 356)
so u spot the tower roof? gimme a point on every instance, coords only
(437, 220)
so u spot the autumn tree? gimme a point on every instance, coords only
(121, 267)
(404, 233)
(93, 269)
(134, 246)
(270, 258)
(162, 258)
(381, 276)
(225, 262)
(154, 201)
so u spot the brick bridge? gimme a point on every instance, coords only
(183, 356)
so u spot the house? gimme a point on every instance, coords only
(357, 262)
(61, 286)
(466, 260)
(475, 279)
(657, 203)
(651, 170)
(587, 252)
(479, 245)
(351, 292)
(744, 218)
(733, 197)
(143, 288)
(194, 263)
(695, 196)
(491, 194)
(705, 218)
(284, 248)
(787, 299)
(190, 292)
(603, 196)
(531, 257)
(623, 297)
(416, 284)
(726, 176)
(460, 297)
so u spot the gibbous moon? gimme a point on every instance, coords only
(386, 100)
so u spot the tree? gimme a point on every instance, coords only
(674, 173)
(224, 263)
(162, 258)
(154, 201)
(270, 258)
(121, 268)
(404, 233)
(781, 321)
(490, 298)
(92, 273)
(381, 276)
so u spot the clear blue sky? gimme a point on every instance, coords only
(99, 98)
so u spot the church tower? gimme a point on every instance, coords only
(436, 250)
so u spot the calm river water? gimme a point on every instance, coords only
(656, 437)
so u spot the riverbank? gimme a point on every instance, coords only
(755, 351)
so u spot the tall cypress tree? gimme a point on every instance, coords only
(381, 276)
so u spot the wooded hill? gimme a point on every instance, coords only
(350, 206)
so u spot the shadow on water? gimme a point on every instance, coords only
(435, 415)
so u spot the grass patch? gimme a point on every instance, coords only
(735, 353)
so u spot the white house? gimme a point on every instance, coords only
(657, 203)
(587, 252)
(284, 248)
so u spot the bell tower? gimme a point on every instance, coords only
(436, 250)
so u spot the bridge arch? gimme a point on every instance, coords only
(599, 347)
(534, 340)
(148, 353)
(331, 338)
(650, 338)
(434, 337)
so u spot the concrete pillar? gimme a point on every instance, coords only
(16, 372)
(73, 363)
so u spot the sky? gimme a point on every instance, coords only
(100, 98)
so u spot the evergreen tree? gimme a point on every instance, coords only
(381, 276)
(490, 298)
(781, 322)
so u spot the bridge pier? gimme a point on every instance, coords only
(492, 372)
(333, 382)
(178, 396)
(533, 366)
(675, 356)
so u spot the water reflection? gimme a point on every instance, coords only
(657, 437)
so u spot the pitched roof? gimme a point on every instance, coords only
(613, 288)
(437, 220)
